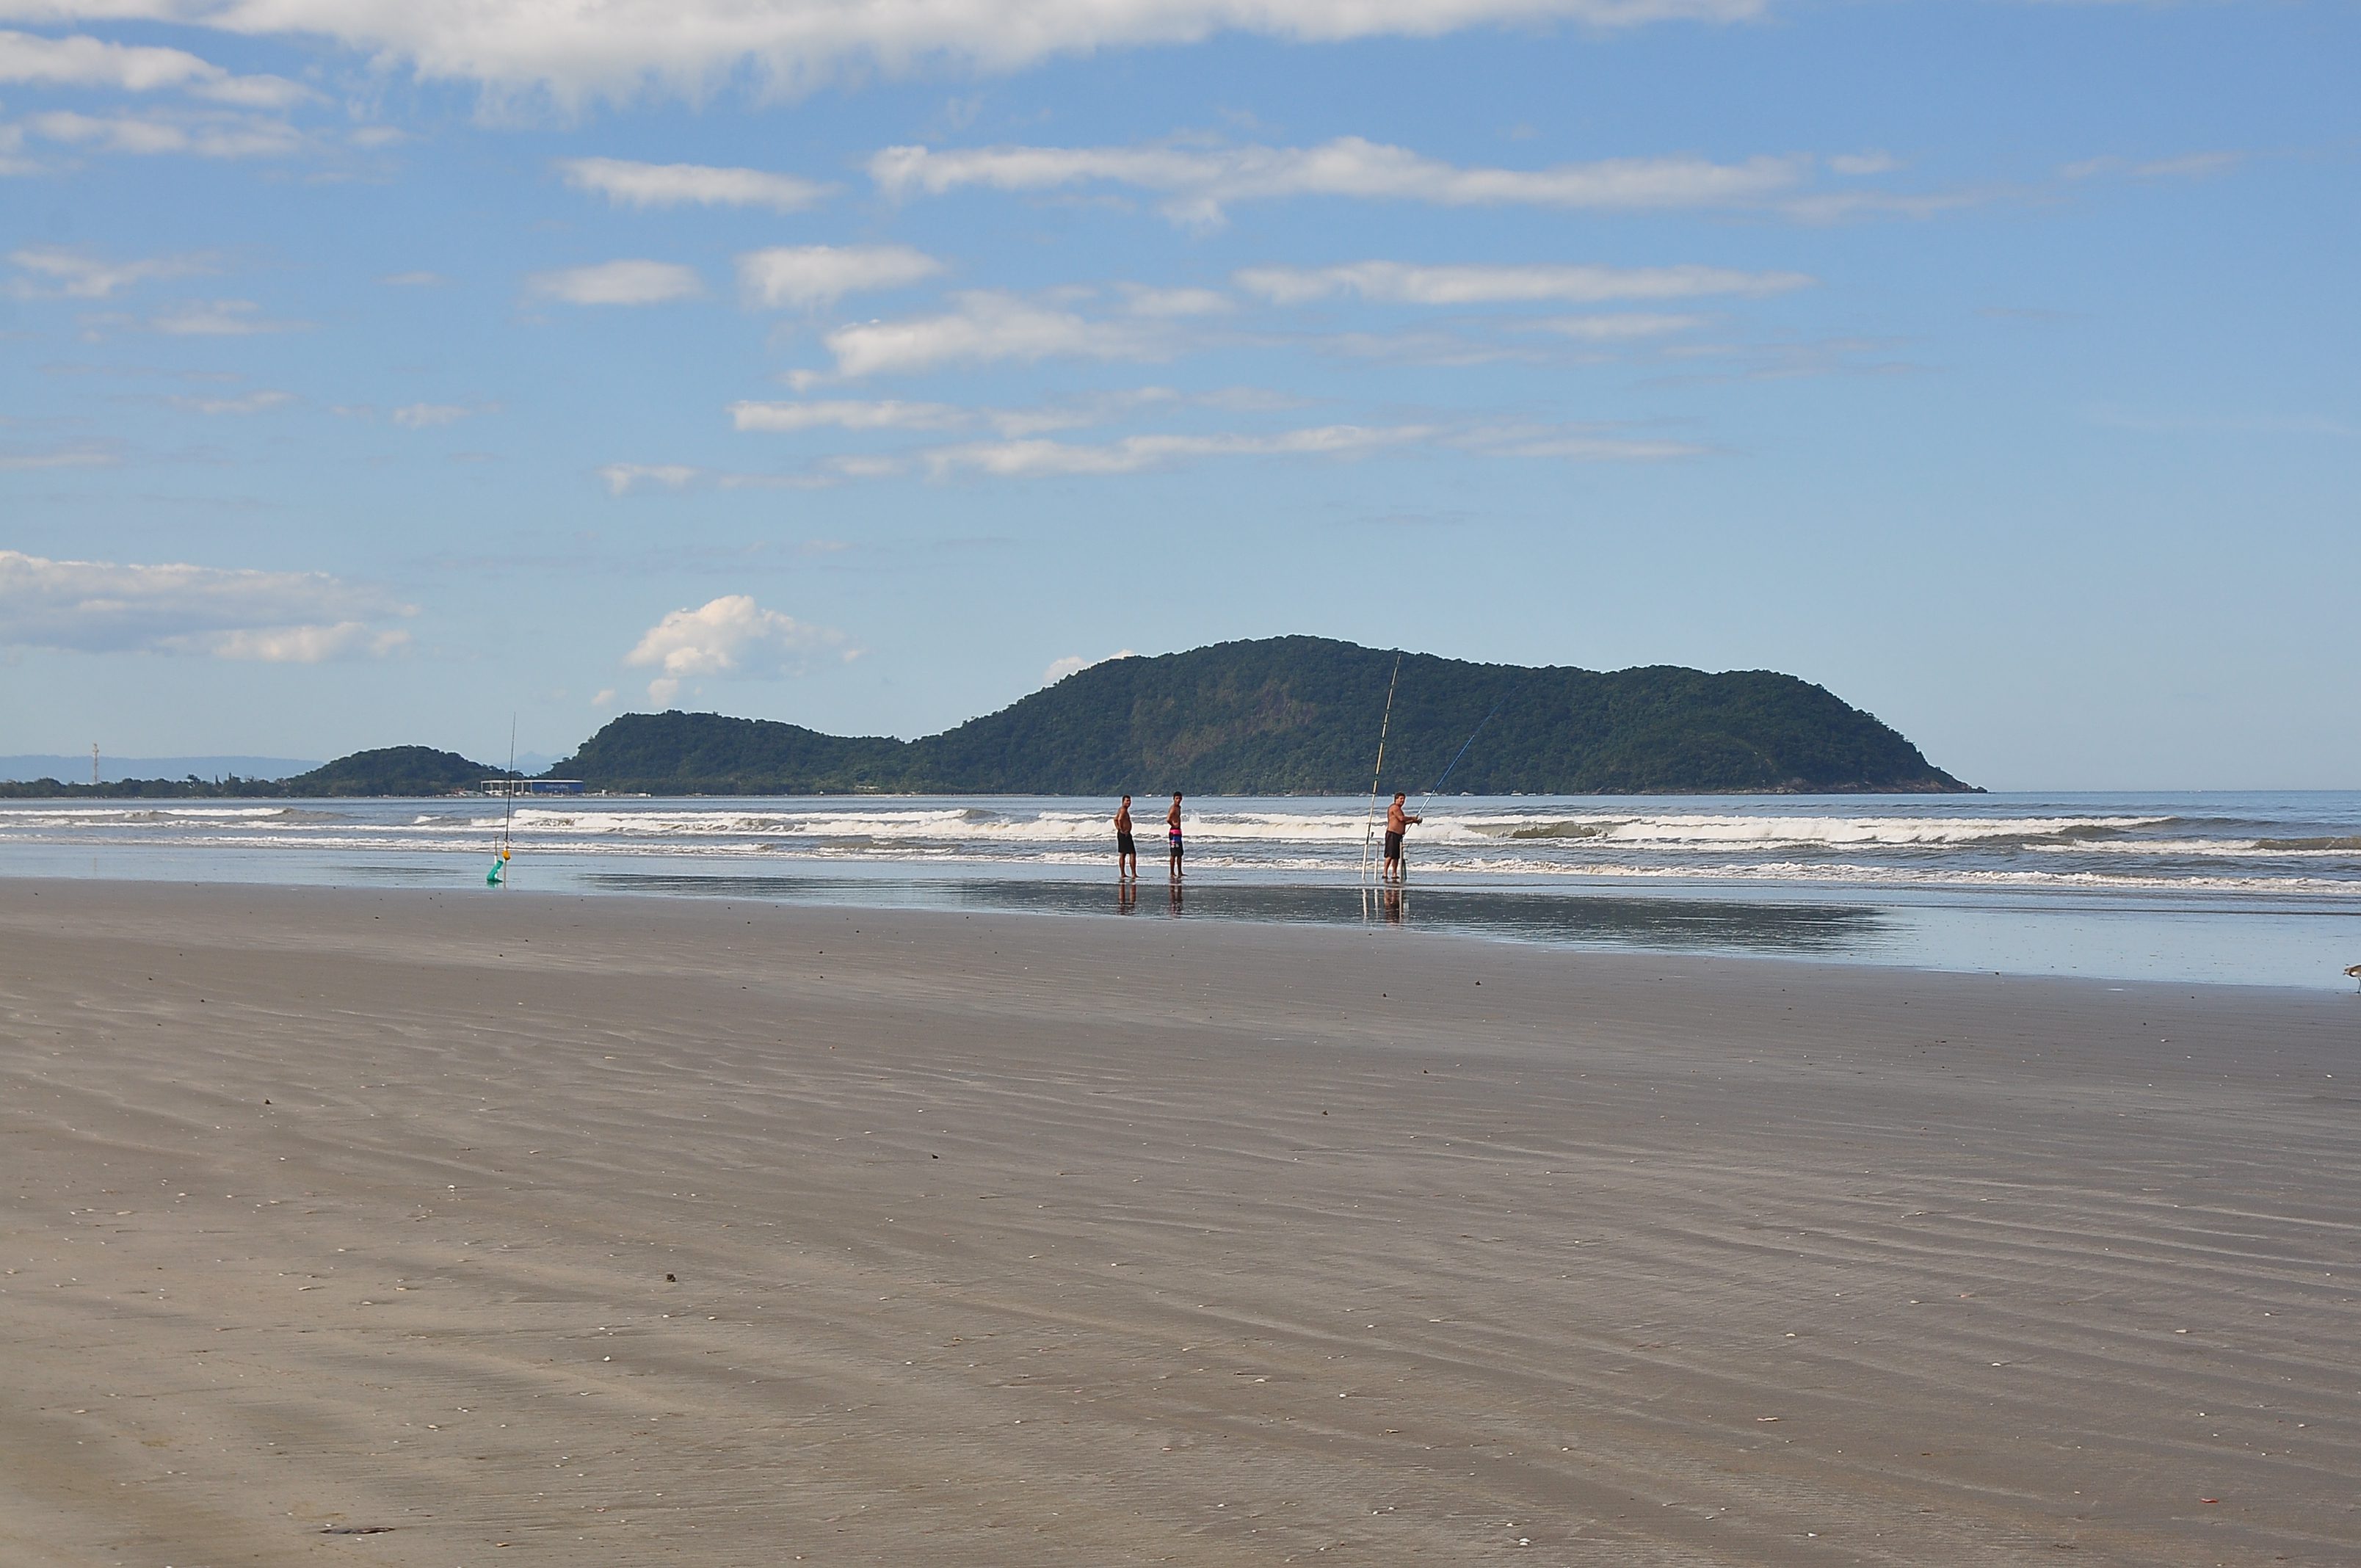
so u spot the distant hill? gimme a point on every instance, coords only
(114, 770)
(1284, 715)
(1301, 715)
(392, 770)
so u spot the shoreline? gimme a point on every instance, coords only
(1048, 1242)
(2169, 939)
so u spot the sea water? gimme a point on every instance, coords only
(2261, 888)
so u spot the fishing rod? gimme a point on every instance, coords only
(1429, 791)
(508, 811)
(1368, 823)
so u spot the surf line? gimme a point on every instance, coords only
(1370, 822)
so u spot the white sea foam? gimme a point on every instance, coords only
(1757, 831)
(1046, 826)
(2244, 847)
(46, 815)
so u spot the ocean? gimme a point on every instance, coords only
(2213, 888)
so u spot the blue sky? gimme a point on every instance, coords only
(370, 371)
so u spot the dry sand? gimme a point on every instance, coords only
(549, 1230)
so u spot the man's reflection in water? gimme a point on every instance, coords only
(1126, 898)
(1390, 903)
(1176, 899)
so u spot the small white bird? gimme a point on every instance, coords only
(2353, 971)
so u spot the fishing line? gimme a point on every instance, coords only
(1461, 753)
(1368, 823)
(508, 813)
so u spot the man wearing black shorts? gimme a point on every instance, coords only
(1126, 856)
(1397, 822)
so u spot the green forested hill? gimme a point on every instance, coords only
(1285, 715)
(705, 753)
(392, 771)
(1300, 714)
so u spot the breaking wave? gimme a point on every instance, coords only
(2261, 845)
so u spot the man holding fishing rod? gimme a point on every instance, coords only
(1397, 822)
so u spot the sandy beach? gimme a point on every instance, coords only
(520, 1229)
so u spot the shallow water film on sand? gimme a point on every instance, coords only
(2238, 888)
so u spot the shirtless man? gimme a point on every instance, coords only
(1172, 833)
(1397, 822)
(1127, 854)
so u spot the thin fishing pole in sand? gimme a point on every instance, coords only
(508, 811)
(1368, 823)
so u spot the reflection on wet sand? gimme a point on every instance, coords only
(1822, 929)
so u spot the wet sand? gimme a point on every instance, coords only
(532, 1230)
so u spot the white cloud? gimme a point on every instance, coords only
(298, 644)
(100, 607)
(1132, 454)
(1863, 163)
(82, 61)
(1021, 450)
(1396, 282)
(76, 275)
(860, 467)
(91, 63)
(1039, 459)
(1619, 328)
(1198, 182)
(219, 318)
(193, 133)
(986, 327)
(1426, 346)
(618, 283)
(1836, 206)
(887, 415)
(1168, 303)
(622, 479)
(427, 416)
(733, 636)
(248, 403)
(1074, 665)
(1575, 444)
(413, 279)
(605, 697)
(84, 454)
(808, 277)
(620, 49)
(1099, 408)
(259, 92)
(628, 185)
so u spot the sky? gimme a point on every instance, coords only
(372, 372)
